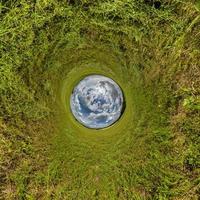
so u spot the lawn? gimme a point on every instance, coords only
(151, 49)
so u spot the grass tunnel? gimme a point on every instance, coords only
(150, 48)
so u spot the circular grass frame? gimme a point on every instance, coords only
(73, 78)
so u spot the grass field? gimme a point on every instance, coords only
(151, 48)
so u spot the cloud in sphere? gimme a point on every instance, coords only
(96, 101)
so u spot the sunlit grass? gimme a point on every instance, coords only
(151, 48)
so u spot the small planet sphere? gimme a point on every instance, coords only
(97, 102)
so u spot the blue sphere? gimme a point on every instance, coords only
(96, 102)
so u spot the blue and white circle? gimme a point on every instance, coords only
(97, 102)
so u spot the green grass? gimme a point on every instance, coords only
(151, 49)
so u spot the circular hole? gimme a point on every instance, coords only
(157, 4)
(97, 102)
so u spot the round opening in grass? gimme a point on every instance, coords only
(97, 102)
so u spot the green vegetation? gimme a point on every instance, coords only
(152, 48)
